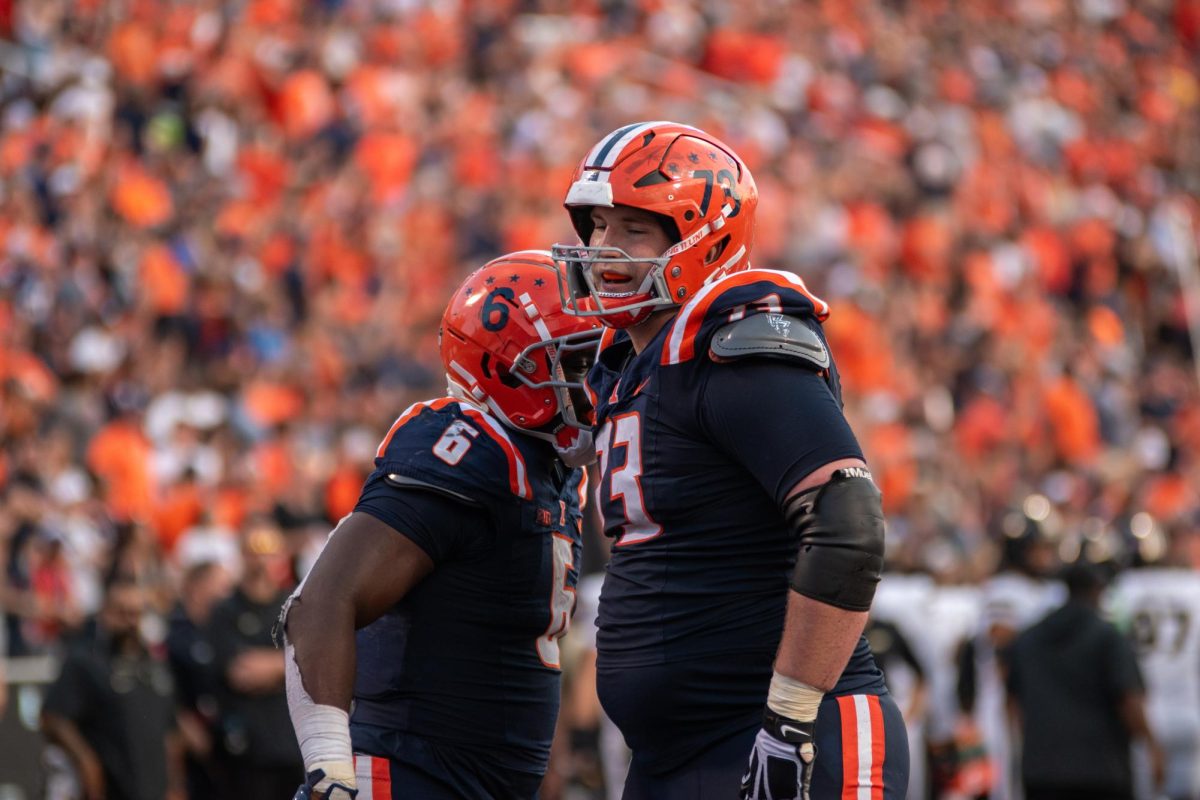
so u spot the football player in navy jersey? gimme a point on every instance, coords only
(457, 567)
(748, 533)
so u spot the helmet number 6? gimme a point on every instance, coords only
(494, 311)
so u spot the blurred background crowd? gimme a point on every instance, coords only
(228, 229)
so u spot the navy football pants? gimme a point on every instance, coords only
(420, 769)
(381, 778)
(862, 746)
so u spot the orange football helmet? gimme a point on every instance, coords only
(507, 345)
(700, 187)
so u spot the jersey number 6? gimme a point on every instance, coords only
(455, 442)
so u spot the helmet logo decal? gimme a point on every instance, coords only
(494, 311)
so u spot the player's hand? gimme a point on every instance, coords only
(782, 761)
(320, 786)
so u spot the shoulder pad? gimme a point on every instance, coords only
(405, 482)
(456, 448)
(734, 297)
(771, 334)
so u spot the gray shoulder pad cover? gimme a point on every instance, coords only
(405, 482)
(771, 334)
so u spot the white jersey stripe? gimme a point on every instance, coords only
(862, 720)
(821, 306)
(679, 326)
(676, 339)
(516, 459)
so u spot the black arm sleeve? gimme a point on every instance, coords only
(777, 418)
(442, 526)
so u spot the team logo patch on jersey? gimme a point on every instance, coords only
(544, 517)
(779, 323)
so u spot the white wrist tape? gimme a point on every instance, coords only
(323, 731)
(792, 699)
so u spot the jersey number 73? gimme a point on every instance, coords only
(624, 482)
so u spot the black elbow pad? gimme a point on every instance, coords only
(840, 525)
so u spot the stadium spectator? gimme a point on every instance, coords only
(259, 756)
(192, 658)
(112, 708)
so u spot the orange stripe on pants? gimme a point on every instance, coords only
(849, 747)
(381, 779)
(863, 747)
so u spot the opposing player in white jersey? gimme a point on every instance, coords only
(904, 599)
(1160, 609)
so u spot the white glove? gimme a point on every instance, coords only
(782, 761)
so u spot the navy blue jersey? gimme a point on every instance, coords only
(469, 658)
(696, 458)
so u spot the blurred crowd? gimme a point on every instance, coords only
(228, 228)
